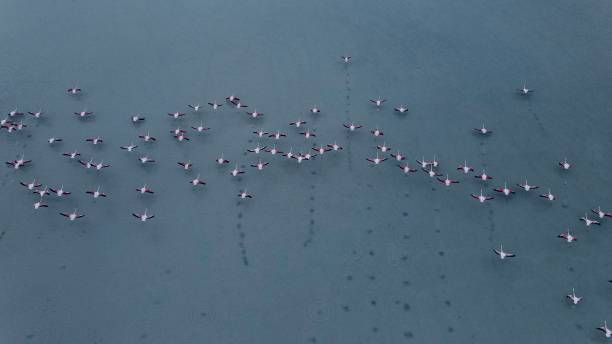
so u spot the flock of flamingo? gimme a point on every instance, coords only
(14, 123)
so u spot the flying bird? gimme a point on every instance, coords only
(406, 168)
(40, 204)
(549, 196)
(600, 213)
(447, 181)
(260, 165)
(524, 90)
(221, 161)
(129, 147)
(137, 118)
(525, 186)
(146, 160)
(277, 135)
(607, 332)
(72, 216)
(258, 149)
(36, 114)
(352, 126)
(144, 189)
(94, 140)
(215, 105)
(144, 216)
(238, 105)
(96, 193)
(235, 172)
(195, 107)
(200, 128)
(185, 164)
(274, 150)
(18, 163)
(74, 90)
(321, 149)
(197, 181)
(588, 222)
(176, 115)
(335, 147)
(482, 130)
(297, 123)
(401, 109)
(83, 114)
(243, 194)
(481, 197)
(504, 190)
(575, 299)
(147, 137)
(383, 148)
(484, 176)
(502, 254)
(376, 160)
(31, 185)
(232, 98)
(60, 192)
(565, 164)
(53, 139)
(308, 134)
(378, 101)
(254, 114)
(377, 132)
(567, 236)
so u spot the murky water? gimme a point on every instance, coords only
(331, 250)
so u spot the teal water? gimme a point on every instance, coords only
(332, 250)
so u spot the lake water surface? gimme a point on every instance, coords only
(332, 250)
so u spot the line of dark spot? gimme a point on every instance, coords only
(241, 242)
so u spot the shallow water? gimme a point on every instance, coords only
(331, 250)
